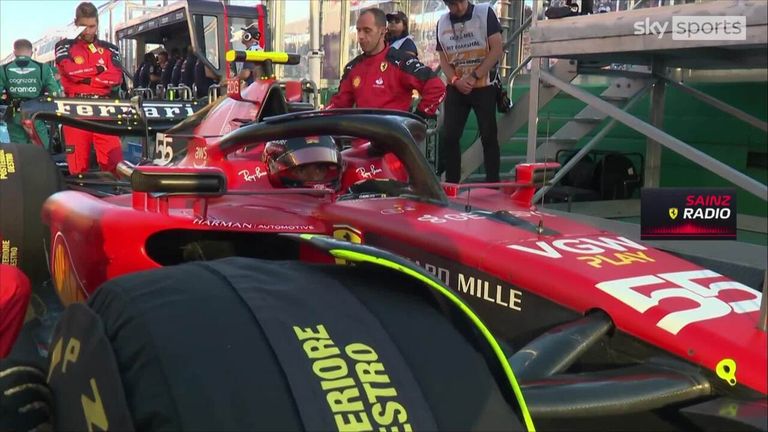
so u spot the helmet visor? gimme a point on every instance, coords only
(306, 155)
(309, 166)
(313, 174)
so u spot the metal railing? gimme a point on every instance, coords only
(625, 5)
(644, 4)
(214, 92)
(574, 160)
(739, 179)
(182, 92)
(515, 72)
(145, 93)
(309, 87)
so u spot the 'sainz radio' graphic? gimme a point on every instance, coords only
(688, 214)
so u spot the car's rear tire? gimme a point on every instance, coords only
(191, 350)
(28, 177)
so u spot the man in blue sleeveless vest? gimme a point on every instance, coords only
(24, 79)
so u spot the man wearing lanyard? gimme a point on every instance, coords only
(470, 46)
(89, 68)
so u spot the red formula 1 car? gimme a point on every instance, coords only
(601, 331)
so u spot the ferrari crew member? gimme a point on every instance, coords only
(176, 73)
(14, 298)
(384, 77)
(168, 62)
(188, 69)
(146, 69)
(24, 79)
(89, 68)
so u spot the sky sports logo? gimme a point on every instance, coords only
(713, 28)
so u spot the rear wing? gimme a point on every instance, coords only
(528, 178)
(120, 116)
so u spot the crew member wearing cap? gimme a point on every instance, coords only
(397, 35)
(383, 77)
(250, 38)
(89, 68)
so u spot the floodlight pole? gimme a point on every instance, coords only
(315, 56)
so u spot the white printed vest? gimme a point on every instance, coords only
(466, 44)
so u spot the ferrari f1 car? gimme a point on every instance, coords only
(601, 331)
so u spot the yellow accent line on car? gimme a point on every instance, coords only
(360, 257)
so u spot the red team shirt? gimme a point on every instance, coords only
(387, 80)
(78, 63)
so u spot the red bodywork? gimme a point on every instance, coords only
(664, 301)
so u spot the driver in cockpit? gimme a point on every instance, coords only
(311, 162)
(316, 162)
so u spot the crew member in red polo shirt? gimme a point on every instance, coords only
(89, 68)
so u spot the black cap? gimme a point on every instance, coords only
(253, 29)
(397, 15)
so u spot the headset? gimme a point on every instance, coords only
(247, 35)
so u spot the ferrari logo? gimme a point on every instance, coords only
(79, 60)
(101, 50)
(356, 82)
(673, 213)
(383, 66)
(346, 233)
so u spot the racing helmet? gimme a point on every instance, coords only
(304, 162)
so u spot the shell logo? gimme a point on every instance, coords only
(64, 277)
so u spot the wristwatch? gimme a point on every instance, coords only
(474, 75)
